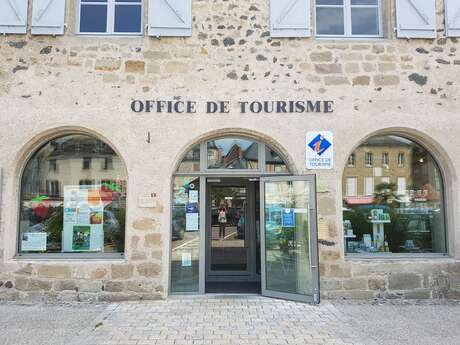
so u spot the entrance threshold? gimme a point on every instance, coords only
(234, 287)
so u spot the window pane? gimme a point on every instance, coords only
(185, 235)
(232, 153)
(71, 209)
(404, 211)
(364, 21)
(364, 2)
(329, 2)
(191, 161)
(93, 18)
(329, 21)
(273, 162)
(128, 18)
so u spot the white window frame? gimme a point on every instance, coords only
(351, 160)
(372, 185)
(400, 191)
(385, 159)
(110, 19)
(366, 164)
(347, 20)
(401, 159)
(347, 190)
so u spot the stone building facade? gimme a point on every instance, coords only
(55, 85)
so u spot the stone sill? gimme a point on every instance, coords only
(111, 258)
(399, 257)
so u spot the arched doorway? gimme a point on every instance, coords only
(241, 222)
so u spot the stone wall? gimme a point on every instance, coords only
(51, 85)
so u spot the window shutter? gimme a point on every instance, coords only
(290, 18)
(170, 17)
(48, 17)
(452, 18)
(13, 16)
(416, 18)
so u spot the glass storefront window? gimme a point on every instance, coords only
(191, 161)
(273, 162)
(232, 153)
(185, 234)
(71, 200)
(395, 207)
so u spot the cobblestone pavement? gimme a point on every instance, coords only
(228, 320)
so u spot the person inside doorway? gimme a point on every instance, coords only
(222, 219)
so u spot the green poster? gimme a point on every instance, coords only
(81, 237)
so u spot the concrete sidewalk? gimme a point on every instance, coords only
(232, 320)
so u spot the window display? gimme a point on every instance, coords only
(85, 209)
(400, 206)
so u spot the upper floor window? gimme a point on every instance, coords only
(400, 159)
(352, 160)
(369, 159)
(348, 18)
(122, 17)
(385, 159)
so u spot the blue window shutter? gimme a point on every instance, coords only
(48, 17)
(416, 18)
(290, 18)
(170, 18)
(13, 16)
(452, 18)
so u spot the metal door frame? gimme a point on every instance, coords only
(250, 273)
(313, 240)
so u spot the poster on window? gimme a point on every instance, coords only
(83, 218)
(288, 218)
(34, 241)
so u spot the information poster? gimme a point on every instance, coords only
(186, 259)
(192, 217)
(83, 219)
(288, 218)
(34, 241)
(319, 150)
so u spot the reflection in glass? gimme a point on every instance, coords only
(287, 231)
(329, 21)
(191, 161)
(273, 162)
(397, 208)
(185, 235)
(68, 205)
(93, 18)
(228, 228)
(128, 17)
(364, 21)
(232, 153)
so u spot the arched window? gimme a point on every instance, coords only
(395, 204)
(73, 198)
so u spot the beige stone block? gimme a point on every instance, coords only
(122, 271)
(89, 286)
(26, 270)
(329, 255)
(157, 254)
(21, 283)
(99, 273)
(404, 281)
(175, 67)
(387, 67)
(376, 283)
(107, 64)
(339, 270)
(386, 80)
(368, 66)
(130, 79)
(351, 56)
(328, 68)
(360, 47)
(152, 240)
(330, 80)
(110, 78)
(144, 224)
(157, 55)
(362, 80)
(114, 286)
(388, 58)
(140, 286)
(149, 269)
(355, 284)
(135, 241)
(304, 66)
(321, 56)
(65, 285)
(352, 67)
(39, 284)
(132, 66)
(54, 271)
(153, 68)
(328, 284)
(138, 255)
